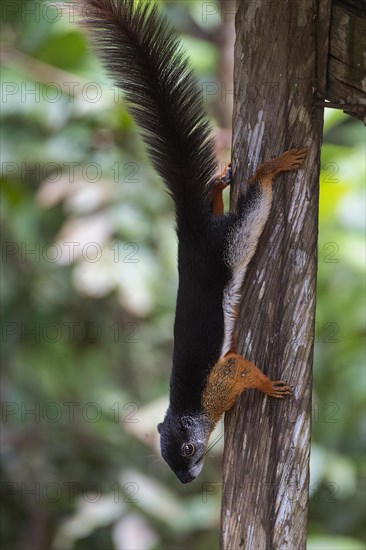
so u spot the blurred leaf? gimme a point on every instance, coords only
(64, 51)
(334, 543)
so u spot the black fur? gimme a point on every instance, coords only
(144, 57)
(174, 433)
(199, 319)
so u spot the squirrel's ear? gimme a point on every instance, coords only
(186, 421)
(160, 426)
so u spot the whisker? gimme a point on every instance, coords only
(210, 447)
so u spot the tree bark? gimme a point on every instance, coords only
(280, 62)
(346, 81)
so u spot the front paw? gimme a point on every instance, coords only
(293, 159)
(279, 389)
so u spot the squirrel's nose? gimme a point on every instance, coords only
(189, 475)
(185, 477)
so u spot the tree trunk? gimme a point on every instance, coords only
(280, 61)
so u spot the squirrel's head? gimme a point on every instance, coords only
(183, 442)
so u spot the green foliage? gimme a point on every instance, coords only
(87, 329)
(337, 481)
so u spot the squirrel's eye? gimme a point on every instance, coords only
(188, 449)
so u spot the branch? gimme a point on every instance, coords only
(280, 58)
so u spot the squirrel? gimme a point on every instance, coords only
(143, 54)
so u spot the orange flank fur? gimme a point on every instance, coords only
(232, 375)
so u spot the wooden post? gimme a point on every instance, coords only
(280, 62)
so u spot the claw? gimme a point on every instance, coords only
(279, 389)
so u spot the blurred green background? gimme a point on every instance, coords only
(88, 290)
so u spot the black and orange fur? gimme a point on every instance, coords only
(144, 57)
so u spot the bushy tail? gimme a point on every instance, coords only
(144, 56)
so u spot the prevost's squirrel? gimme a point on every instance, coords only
(143, 55)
